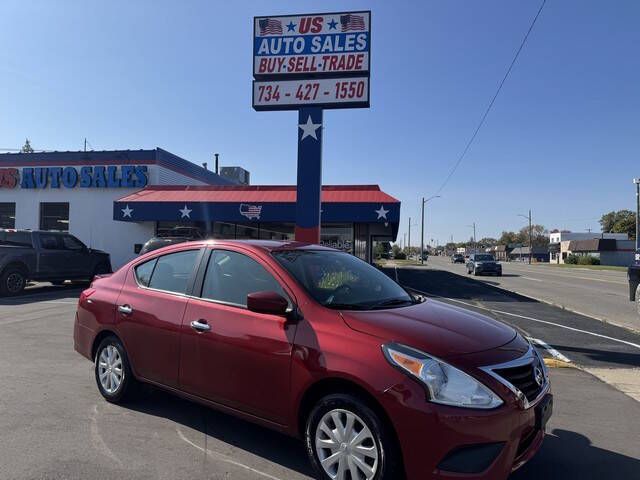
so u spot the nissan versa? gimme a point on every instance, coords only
(315, 343)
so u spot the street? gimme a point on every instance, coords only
(602, 294)
(55, 425)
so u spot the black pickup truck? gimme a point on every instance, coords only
(46, 256)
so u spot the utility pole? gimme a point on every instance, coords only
(409, 234)
(422, 230)
(637, 183)
(528, 217)
(85, 144)
(530, 238)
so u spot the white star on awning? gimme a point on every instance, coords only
(382, 213)
(126, 211)
(185, 212)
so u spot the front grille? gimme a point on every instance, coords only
(523, 378)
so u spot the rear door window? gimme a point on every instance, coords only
(143, 272)
(50, 242)
(173, 271)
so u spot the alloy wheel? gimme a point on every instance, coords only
(15, 282)
(346, 447)
(110, 369)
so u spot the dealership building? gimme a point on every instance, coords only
(116, 200)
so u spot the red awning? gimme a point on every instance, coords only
(257, 194)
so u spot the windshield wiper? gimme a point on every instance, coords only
(344, 306)
(392, 302)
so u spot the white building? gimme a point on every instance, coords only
(76, 191)
(560, 242)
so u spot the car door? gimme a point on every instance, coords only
(79, 263)
(51, 257)
(149, 313)
(241, 358)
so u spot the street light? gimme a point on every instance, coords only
(636, 181)
(422, 232)
(528, 217)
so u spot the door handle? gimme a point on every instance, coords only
(200, 326)
(126, 309)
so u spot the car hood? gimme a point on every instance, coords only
(436, 328)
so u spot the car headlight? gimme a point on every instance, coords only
(477, 264)
(446, 384)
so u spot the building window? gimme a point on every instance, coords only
(54, 216)
(338, 236)
(194, 230)
(7, 215)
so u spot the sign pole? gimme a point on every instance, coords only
(309, 189)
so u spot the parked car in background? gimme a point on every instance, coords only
(481, 263)
(633, 275)
(46, 256)
(171, 237)
(457, 258)
(316, 343)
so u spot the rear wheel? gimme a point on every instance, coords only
(113, 372)
(346, 440)
(12, 281)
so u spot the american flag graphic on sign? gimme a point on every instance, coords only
(352, 22)
(250, 211)
(269, 26)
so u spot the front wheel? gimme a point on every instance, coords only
(12, 281)
(346, 440)
(112, 371)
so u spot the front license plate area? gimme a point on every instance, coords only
(543, 412)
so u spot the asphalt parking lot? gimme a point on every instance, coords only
(55, 425)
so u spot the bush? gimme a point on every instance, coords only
(571, 259)
(588, 260)
(401, 256)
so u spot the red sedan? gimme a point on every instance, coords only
(313, 342)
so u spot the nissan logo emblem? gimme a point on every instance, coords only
(538, 376)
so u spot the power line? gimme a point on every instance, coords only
(488, 109)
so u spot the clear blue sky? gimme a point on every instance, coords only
(562, 139)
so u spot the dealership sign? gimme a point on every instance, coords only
(124, 176)
(311, 60)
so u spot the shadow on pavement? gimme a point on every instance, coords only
(609, 356)
(43, 292)
(570, 455)
(272, 446)
(451, 285)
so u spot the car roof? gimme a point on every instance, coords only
(264, 245)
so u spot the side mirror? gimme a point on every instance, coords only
(267, 302)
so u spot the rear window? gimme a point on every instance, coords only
(18, 239)
(170, 272)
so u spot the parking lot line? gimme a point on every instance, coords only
(224, 458)
(552, 351)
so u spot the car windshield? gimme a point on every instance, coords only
(484, 258)
(342, 281)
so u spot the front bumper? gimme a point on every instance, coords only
(475, 444)
(488, 269)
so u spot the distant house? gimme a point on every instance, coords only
(609, 250)
(501, 252)
(538, 254)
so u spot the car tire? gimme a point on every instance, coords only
(113, 372)
(376, 444)
(12, 281)
(475, 272)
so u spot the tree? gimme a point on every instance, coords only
(487, 242)
(508, 238)
(26, 148)
(621, 221)
(539, 236)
